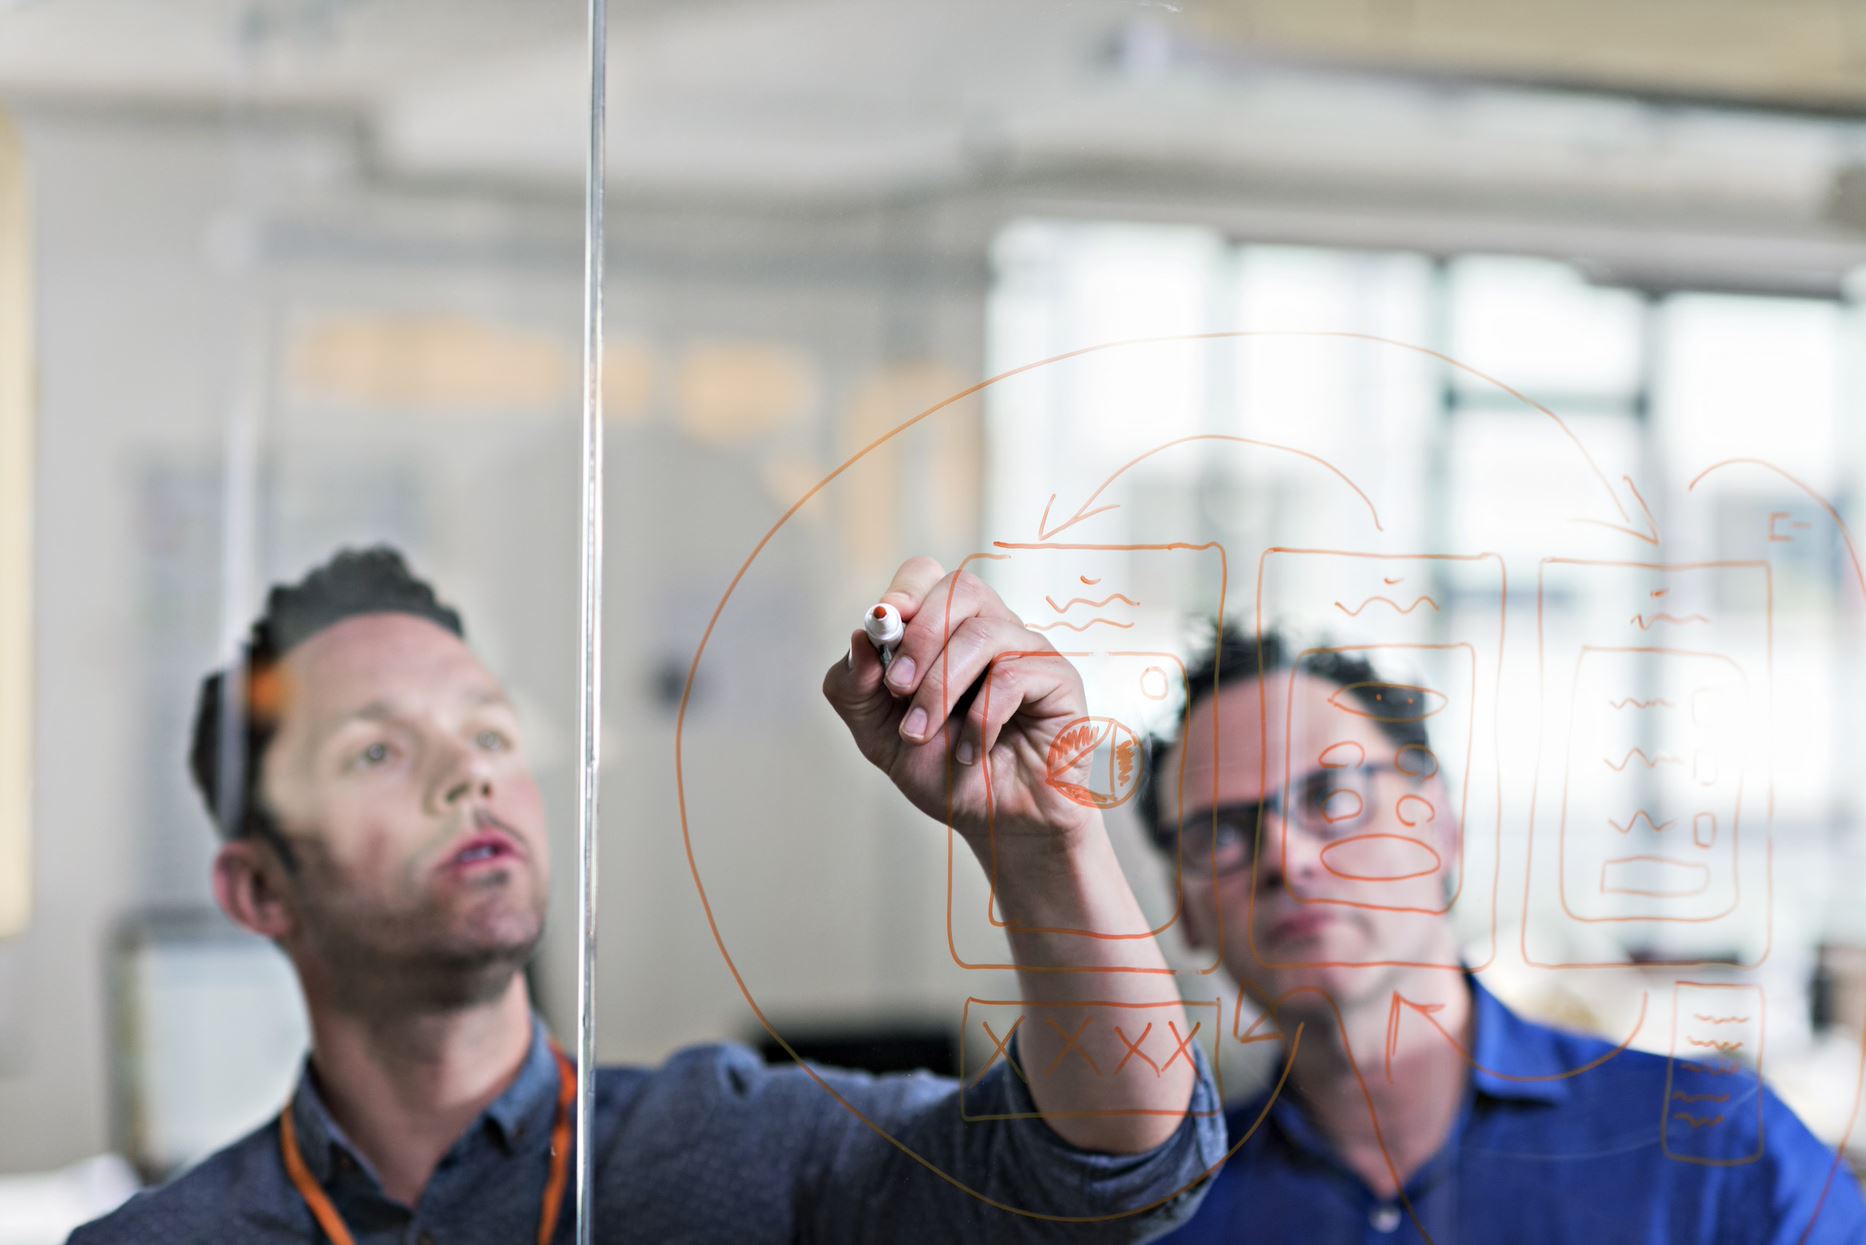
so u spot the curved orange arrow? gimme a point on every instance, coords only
(1846, 533)
(1400, 1001)
(1650, 534)
(1250, 1036)
(1044, 532)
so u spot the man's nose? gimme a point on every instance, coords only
(1278, 859)
(467, 776)
(477, 785)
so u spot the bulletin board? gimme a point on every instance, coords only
(16, 456)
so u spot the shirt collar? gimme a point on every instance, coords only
(529, 1104)
(1515, 1059)
(525, 1109)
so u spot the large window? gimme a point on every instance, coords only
(1651, 465)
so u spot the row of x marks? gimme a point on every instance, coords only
(1072, 1044)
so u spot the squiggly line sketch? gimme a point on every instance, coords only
(1657, 827)
(1093, 622)
(1635, 703)
(1685, 1117)
(1646, 622)
(1073, 601)
(1074, 746)
(1397, 608)
(1650, 762)
(1722, 1048)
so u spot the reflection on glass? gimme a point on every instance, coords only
(305, 276)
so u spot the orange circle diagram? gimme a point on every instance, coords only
(1153, 683)
(706, 636)
(1113, 788)
(1095, 762)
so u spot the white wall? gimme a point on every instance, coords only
(131, 327)
(151, 328)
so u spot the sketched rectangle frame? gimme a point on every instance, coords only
(1675, 1058)
(1561, 825)
(953, 838)
(1456, 964)
(1532, 957)
(1464, 782)
(1193, 1007)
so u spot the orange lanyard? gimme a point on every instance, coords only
(326, 1214)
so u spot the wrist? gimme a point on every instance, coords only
(1056, 843)
(1041, 877)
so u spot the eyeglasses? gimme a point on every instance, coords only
(1326, 803)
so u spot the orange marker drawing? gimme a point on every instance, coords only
(1700, 1115)
(1634, 820)
(1072, 602)
(1646, 622)
(1379, 600)
(1146, 1048)
(1651, 762)
(1714, 1021)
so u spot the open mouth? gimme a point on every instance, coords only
(486, 848)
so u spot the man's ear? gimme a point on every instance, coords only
(249, 886)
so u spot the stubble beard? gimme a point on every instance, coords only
(424, 959)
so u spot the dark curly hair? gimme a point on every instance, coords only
(1234, 656)
(231, 734)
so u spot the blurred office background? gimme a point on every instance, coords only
(281, 275)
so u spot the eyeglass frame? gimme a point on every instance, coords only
(1249, 813)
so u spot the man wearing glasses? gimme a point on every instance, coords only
(1477, 1124)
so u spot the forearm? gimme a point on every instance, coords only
(1105, 1042)
(964, 721)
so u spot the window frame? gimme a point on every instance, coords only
(18, 388)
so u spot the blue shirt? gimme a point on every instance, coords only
(1572, 1161)
(714, 1146)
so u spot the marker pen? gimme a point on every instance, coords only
(885, 629)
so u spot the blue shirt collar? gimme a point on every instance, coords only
(1517, 1060)
(527, 1108)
